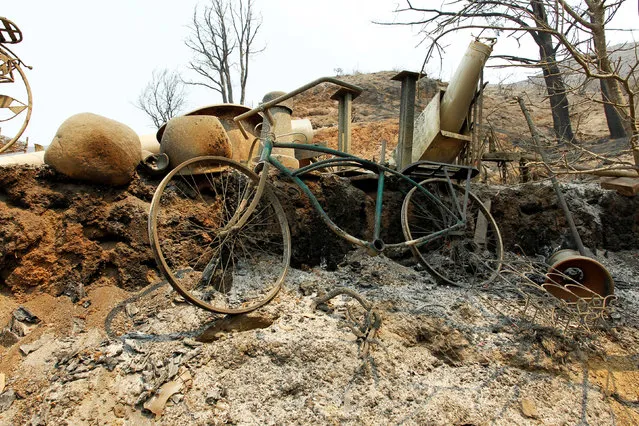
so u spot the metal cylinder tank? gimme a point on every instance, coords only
(282, 128)
(31, 159)
(302, 130)
(461, 90)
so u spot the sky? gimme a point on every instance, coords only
(90, 56)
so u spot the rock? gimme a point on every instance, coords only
(19, 328)
(79, 326)
(529, 408)
(157, 403)
(34, 346)
(131, 309)
(187, 137)
(215, 394)
(8, 338)
(134, 346)
(96, 149)
(2, 382)
(22, 322)
(6, 399)
(119, 411)
(22, 314)
(75, 291)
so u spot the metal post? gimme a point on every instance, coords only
(344, 123)
(406, 117)
(345, 98)
(560, 196)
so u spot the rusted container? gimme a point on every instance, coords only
(225, 112)
(569, 268)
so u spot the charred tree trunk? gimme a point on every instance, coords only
(558, 99)
(555, 86)
(612, 96)
(616, 125)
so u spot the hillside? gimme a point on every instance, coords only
(376, 113)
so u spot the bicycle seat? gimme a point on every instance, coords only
(432, 169)
(9, 32)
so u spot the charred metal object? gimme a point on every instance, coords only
(156, 164)
(15, 110)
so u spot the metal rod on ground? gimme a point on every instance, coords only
(553, 178)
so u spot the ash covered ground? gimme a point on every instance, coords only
(113, 344)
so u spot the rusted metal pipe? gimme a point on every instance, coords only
(568, 267)
(266, 105)
(553, 179)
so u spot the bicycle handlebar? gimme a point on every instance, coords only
(266, 105)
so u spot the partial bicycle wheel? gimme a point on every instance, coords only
(217, 245)
(470, 256)
(16, 101)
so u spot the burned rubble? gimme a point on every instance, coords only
(142, 355)
(99, 328)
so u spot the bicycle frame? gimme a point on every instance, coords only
(376, 246)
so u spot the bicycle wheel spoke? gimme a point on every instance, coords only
(455, 257)
(195, 216)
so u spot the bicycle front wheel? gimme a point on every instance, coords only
(470, 256)
(218, 247)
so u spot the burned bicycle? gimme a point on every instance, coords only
(221, 238)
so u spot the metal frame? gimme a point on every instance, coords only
(343, 159)
(375, 246)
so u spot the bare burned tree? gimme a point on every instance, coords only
(516, 17)
(245, 26)
(590, 18)
(224, 30)
(163, 97)
(591, 57)
(564, 32)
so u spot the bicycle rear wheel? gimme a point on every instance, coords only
(468, 257)
(214, 246)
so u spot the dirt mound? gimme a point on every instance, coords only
(442, 356)
(59, 235)
(531, 220)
